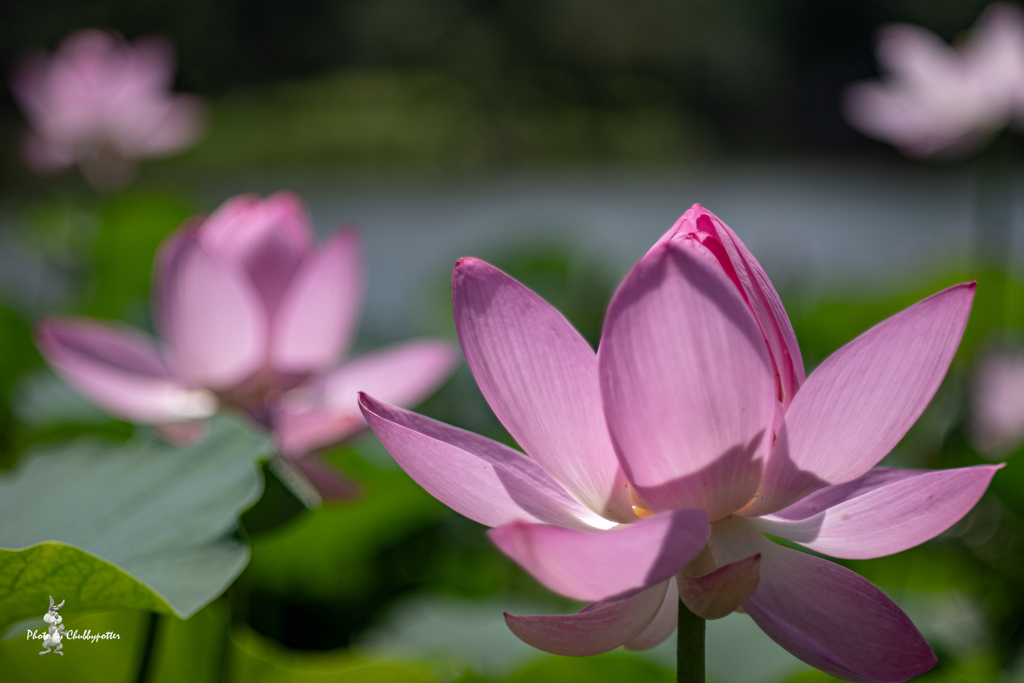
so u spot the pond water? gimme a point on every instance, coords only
(828, 225)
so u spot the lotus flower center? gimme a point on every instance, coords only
(642, 512)
(197, 403)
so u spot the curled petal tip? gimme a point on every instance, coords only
(720, 592)
(461, 266)
(468, 262)
(368, 405)
(599, 627)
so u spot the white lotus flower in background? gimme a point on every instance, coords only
(103, 103)
(938, 99)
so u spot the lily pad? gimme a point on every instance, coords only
(145, 525)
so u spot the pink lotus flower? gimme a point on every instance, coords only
(254, 316)
(997, 410)
(102, 103)
(654, 467)
(937, 99)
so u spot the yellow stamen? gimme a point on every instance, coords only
(642, 513)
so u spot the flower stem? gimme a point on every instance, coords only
(689, 647)
(148, 646)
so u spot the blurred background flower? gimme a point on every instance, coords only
(103, 103)
(255, 316)
(940, 99)
(997, 410)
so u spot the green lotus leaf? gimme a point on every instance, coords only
(144, 525)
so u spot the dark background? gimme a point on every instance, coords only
(747, 77)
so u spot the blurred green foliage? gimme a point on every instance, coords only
(131, 227)
(18, 355)
(104, 249)
(612, 668)
(255, 659)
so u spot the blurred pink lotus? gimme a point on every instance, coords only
(938, 99)
(997, 409)
(102, 103)
(690, 434)
(255, 316)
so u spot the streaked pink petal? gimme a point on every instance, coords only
(825, 614)
(265, 238)
(320, 310)
(889, 518)
(858, 404)
(119, 369)
(479, 478)
(328, 480)
(326, 410)
(595, 565)
(663, 624)
(213, 320)
(540, 378)
(598, 628)
(822, 499)
(720, 592)
(700, 226)
(687, 383)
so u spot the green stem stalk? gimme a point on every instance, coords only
(689, 647)
(148, 646)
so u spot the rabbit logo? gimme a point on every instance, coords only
(55, 632)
